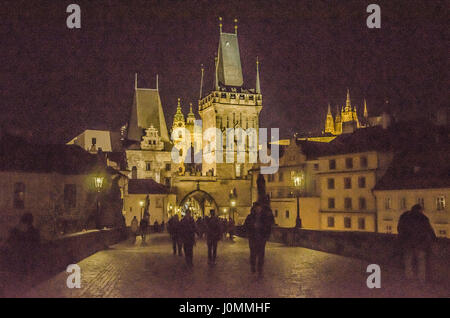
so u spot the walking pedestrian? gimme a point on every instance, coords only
(231, 228)
(188, 230)
(258, 226)
(416, 237)
(173, 226)
(134, 229)
(213, 235)
(144, 227)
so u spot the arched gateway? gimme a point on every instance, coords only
(199, 202)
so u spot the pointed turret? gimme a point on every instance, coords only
(258, 85)
(178, 119)
(216, 81)
(191, 116)
(348, 105)
(329, 123)
(366, 113)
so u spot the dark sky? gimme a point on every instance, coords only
(55, 82)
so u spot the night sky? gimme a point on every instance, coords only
(55, 82)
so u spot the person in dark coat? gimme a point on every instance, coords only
(258, 226)
(134, 229)
(416, 237)
(231, 228)
(144, 227)
(23, 244)
(173, 226)
(213, 234)
(188, 230)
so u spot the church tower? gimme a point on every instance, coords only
(231, 104)
(329, 123)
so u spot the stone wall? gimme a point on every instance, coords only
(377, 248)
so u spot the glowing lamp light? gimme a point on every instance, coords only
(141, 203)
(98, 183)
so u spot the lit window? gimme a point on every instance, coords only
(440, 203)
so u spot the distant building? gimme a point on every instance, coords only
(53, 182)
(416, 178)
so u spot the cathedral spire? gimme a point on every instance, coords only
(329, 109)
(258, 85)
(366, 113)
(348, 104)
(157, 84)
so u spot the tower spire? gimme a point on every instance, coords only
(235, 26)
(347, 103)
(157, 84)
(135, 80)
(366, 113)
(329, 109)
(258, 85)
(201, 83)
(220, 24)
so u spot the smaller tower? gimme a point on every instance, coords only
(178, 119)
(329, 123)
(258, 85)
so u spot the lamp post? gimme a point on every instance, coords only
(141, 203)
(298, 180)
(98, 183)
(233, 198)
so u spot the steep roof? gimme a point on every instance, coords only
(229, 63)
(411, 170)
(146, 111)
(16, 154)
(146, 186)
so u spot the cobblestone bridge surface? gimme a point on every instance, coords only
(132, 270)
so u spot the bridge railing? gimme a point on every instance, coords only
(377, 248)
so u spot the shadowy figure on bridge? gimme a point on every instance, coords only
(134, 229)
(188, 230)
(23, 244)
(258, 226)
(144, 227)
(173, 226)
(416, 237)
(231, 228)
(213, 234)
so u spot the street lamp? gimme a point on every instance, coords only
(233, 198)
(141, 203)
(98, 184)
(298, 179)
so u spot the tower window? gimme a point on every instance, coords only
(94, 141)
(440, 202)
(362, 182)
(148, 166)
(348, 203)
(387, 203)
(362, 203)
(347, 222)
(331, 203)
(361, 223)
(363, 162)
(287, 214)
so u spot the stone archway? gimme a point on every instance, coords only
(204, 200)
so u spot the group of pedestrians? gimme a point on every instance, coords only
(257, 226)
